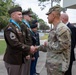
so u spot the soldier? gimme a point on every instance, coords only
(65, 20)
(35, 42)
(26, 31)
(58, 45)
(13, 57)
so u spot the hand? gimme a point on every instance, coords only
(45, 43)
(33, 58)
(28, 57)
(32, 49)
(36, 48)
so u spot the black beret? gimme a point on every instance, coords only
(15, 9)
(27, 12)
(33, 26)
(34, 22)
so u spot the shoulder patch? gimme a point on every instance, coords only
(12, 36)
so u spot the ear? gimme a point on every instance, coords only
(54, 15)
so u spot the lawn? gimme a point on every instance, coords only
(2, 46)
(44, 37)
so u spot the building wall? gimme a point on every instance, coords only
(67, 3)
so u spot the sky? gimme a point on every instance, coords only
(33, 4)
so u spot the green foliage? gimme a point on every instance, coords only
(5, 5)
(44, 27)
(3, 22)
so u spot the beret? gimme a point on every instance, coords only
(14, 9)
(27, 12)
(33, 26)
(35, 21)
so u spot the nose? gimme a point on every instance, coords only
(21, 16)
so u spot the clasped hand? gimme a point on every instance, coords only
(33, 49)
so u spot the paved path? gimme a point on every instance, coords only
(2, 68)
(41, 62)
(40, 65)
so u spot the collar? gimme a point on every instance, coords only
(67, 23)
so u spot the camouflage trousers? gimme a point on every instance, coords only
(53, 69)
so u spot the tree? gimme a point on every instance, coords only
(5, 5)
(43, 3)
(44, 27)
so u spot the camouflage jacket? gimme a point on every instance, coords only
(59, 46)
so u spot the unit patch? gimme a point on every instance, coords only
(12, 36)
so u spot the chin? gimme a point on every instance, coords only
(20, 20)
(50, 22)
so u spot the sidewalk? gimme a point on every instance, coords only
(1, 57)
(40, 65)
(41, 61)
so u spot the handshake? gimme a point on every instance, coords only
(33, 49)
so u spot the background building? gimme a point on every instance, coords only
(69, 4)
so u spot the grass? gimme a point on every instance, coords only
(2, 46)
(44, 37)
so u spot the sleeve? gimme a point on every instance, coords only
(28, 39)
(13, 40)
(42, 48)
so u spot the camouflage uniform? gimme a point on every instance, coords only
(58, 50)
